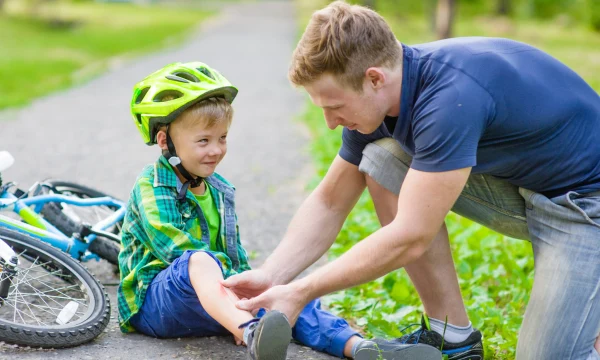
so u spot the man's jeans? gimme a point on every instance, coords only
(562, 319)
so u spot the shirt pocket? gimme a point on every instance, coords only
(187, 213)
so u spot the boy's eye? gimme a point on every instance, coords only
(203, 141)
(224, 137)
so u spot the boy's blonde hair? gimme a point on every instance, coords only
(344, 40)
(208, 112)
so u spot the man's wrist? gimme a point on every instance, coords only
(275, 276)
(304, 288)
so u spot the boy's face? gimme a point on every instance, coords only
(200, 148)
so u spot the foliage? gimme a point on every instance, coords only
(43, 54)
(574, 11)
(495, 272)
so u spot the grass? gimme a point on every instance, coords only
(70, 42)
(495, 272)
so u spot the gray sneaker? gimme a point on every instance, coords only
(269, 336)
(370, 350)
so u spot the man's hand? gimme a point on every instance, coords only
(249, 283)
(288, 299)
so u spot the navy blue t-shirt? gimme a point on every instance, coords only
(499, 106)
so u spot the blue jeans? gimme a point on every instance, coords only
(171, 309)
(562, 320)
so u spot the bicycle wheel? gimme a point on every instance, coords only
(69, 218)
(53, 301)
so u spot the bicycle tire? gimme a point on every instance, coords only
(58, 268)
(106, 248)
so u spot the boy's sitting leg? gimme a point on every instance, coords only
(186, 299)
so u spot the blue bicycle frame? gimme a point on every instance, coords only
(35, 225)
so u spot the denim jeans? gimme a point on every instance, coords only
(171, 309)
(562, 319)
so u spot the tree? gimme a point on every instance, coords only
(369, 3)
(444, 18)
(594, 8)
(503, 7)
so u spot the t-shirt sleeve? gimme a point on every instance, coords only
(353, 143)
(448, 121)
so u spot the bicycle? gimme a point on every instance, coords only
(47, 298)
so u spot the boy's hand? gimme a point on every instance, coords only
(238, 341)
(249, 283)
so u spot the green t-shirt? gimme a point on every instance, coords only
(211, 214)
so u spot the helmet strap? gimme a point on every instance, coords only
(174, 160)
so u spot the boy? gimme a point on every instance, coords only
(180, 235)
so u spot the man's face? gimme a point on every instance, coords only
(343, 106)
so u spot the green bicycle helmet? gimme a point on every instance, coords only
(166, 93)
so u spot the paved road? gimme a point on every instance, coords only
(86, 134)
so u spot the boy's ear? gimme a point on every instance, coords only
(161, 139)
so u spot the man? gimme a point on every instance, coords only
(493, 129)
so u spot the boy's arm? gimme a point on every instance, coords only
(167, 238)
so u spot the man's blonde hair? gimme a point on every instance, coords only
(344, 40)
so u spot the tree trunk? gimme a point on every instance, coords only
(594, 8)
(370, 4)
(444, 18)
(503, 7)
(1, 6)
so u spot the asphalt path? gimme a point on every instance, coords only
(85, 134)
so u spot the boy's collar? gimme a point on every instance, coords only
(164, 175)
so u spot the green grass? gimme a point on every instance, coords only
(495, 272)
(39, 57)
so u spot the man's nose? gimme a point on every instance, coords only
(332, 121)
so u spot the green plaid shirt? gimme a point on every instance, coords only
(158, 228)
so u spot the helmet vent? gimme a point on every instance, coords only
(139, 118)
(187, 76)
(167, 95)
(141, 95)
(177, 78)
(206, 72)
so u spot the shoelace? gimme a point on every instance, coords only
(249, 323)
(416, 333)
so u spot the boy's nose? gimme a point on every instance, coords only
(216, 150)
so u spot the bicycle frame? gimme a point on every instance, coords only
(35, 225)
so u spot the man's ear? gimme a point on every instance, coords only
(161, 139)
(376, 77)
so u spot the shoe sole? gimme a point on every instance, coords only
(273, 337)
(411, 352)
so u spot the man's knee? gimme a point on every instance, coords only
(386, 163)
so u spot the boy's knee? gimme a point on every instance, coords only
(201, 260)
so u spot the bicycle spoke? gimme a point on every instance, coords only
(39, 293)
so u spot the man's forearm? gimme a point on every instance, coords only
(384, 251)
(309, 235)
